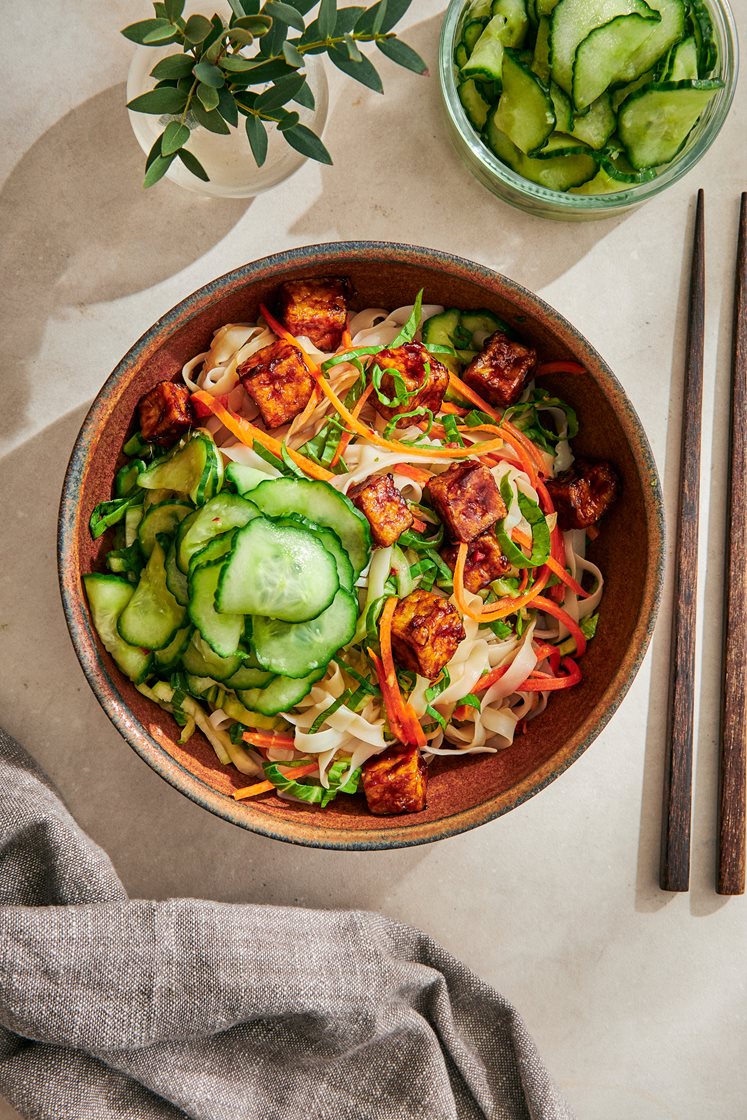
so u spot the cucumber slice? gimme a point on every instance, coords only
(200, 660)
(617, 96)
(133, 517)
(281, 695)
(194, 467)
(247, 677)
(444, 330)
(169, 657)
(525, 111)
(618, 168)
(486, 60)
(460, 55)
(201, 686)
(473, 103)
(655, 122)
(546, 7)
(573, 20)
(479, 9)
(665, 34)
(517, 21)
(296, 649)
(541, 57)
(596, 125)
(682, 62)
(242, 478)
(331, 542)
(561, 103)
(700, 21)
(107, 597)
(471, 33)
(125, 480)
(479, 325)
(176, 581)
(561, 167)
(602, 183)
(161, 518)
(281, 571)
(323, 505)
(222, 632)
(213, 550)
(224, 512)
(152, 616)
(602, 56)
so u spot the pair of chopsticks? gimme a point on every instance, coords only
(732, 821)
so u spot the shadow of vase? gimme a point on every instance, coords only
(79, 228)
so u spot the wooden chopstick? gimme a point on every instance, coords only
(674, 874)
(733, 757)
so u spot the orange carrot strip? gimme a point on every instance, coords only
(540, 682)
(571, 625)
(526, 542)
(247, 434)
(490, 678)
(347, 436)
(404, 716)
(502, 607)
(417, 474)
(566, 365)
(265, 787)
(517, 438)
(453, 409)
(418, 525)
(524, 580)
(267, 739)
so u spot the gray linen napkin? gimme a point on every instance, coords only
(119, 1008)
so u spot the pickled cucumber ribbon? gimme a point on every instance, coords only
(537, 524)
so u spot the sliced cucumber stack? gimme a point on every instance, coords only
(294, 649)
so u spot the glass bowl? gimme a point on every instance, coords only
(541, 201)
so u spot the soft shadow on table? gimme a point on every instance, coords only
(163, 845)
(649, 897)
(394, 152)
(79, 228)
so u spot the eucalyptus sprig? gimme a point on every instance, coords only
(212, 82)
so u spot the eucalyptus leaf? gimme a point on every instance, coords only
(286, 13)
(395, 9)
(237, 8)
(307, 143)
(174, 66)
(197, 29)
(302, 6)
(208, 97)
(403, 55)
(212, 121)
(175, 137)
(347, 19)
(209, 75)
(327, 17)
(174, 8)
(352, 48)
(234, 63)
(287, 121)
(281, 92)
(157, 170)
(240, 37)
(227, 107)
(305, 96)
(161, 33)
(164, 100)
(267, 72)
(363, 71)
(258, 24)
(155, 151)
(255, 131)
(292, 55)
(193, 164)
(136, 32)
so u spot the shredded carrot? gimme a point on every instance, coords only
(248, 434)
(524, 580)
(417, 474)
(541, 682)
(564, 366)
(347, 436)
(526, 542)
(502, 607)
(346, 341)
(268, 739)
(490, 678)
(418, 525)
(402, 719)
(570, 624)
(265, 787)
(517, 438)
(452, 409)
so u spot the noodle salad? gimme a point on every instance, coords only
(348, 542)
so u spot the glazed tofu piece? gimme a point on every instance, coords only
(395, 782)
(382, 503)
(277, 379)
(165, 413)
(500, 372)
(584, 492)
(466, 499)
(426, 630)
(423, 375)
(315, 308)
(485, 562)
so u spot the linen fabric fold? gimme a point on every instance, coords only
(118, 1008)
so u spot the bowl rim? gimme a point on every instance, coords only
(306, 832)
(532, 195)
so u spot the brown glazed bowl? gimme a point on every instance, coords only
(465, 792)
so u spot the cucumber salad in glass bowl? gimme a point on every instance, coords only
(345, 543)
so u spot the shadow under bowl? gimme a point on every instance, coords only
(463, 793)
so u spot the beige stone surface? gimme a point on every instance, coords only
(636, 998)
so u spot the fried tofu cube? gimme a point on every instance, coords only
(317, 309)
(426, 630)
(423, 376)
(277, 379)
(485, 561)
(395, 782)
(165, 413)
(584, 492)
(500, 372)
(466, 499)
(382, 503)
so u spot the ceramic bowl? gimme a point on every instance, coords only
(465, 792)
